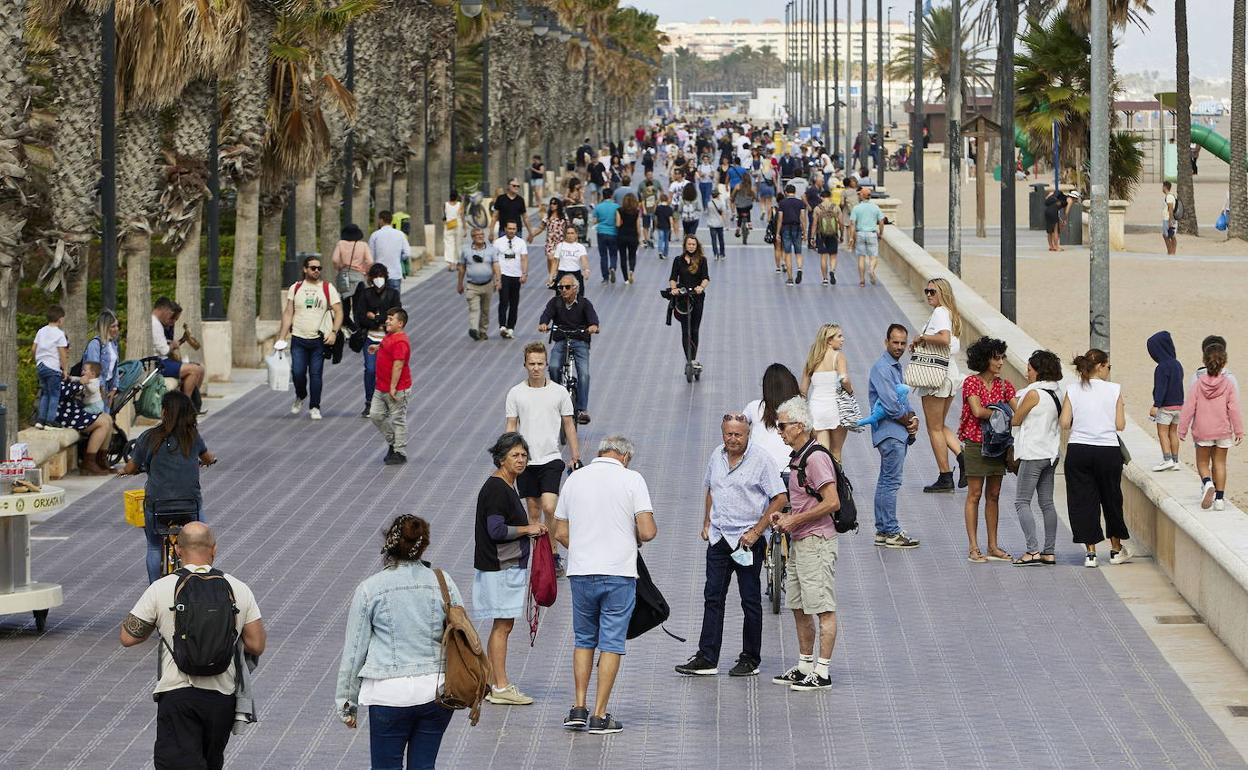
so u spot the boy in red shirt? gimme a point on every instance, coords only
(394, 384)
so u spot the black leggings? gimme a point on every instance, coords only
(508, 302)
(628, 257)
(689, 326)
(1093, 486)
(690, 228)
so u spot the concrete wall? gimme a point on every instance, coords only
(1202, 552)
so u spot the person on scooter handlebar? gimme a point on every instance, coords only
(690, 276)
(567, 311)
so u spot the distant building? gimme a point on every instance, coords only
(711, 38)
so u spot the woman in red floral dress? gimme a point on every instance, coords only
(980, 391)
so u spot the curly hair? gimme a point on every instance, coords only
(405, 540)
(980, 354)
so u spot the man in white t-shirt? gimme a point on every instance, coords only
(194, 714)
(312, 316)
(513, 262)
(165, 342)
(1169, 220)
(51, 352)
(538, 409)
(602, 517)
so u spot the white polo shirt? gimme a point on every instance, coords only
(600, 502)
(510, 251)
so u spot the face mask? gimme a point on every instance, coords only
(743, 556)
(380, 283)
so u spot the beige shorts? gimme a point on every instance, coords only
(1221, 443)
(1167, 416)
(810, 576)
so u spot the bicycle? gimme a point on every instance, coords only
(567, 373)
(743, 225)
(776, 558)
(168, 525)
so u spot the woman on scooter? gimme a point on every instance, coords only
(690, 276)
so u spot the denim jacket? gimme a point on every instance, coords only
(394, 628)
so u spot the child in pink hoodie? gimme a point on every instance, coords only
(1211, 412)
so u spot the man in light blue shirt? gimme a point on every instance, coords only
(479, 278)
(866, 224)
(743, 489)
(389, 247)
(608, 246)
(891, 436)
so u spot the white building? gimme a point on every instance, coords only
(711, 38)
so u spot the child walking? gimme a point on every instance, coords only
(51, 350)
(1167, 399)
(388, 410)
(1211, 413)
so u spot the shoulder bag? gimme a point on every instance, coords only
(928, 367)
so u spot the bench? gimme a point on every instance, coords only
(54, 450)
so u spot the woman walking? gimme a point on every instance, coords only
(825, 376)
(980, 391)
(351, 259)
(1094, 412)
(1037, 442)
(392, 659)
(372, 302)
(779, 385)
(690, 274)
(453, 230)
(716, 213)
(1211, 413)
(743, 202)
(553, 224)
(690, 211)
(628, 235)
(942, 331)
(501, 558)
(767, 191)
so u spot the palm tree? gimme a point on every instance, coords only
(937, 35)
(1239, 124)
(14, 125)
(1183, 95)
(138, 137)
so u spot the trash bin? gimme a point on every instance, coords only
(1035, 206)
(1072, 233)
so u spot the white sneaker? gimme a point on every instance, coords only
(314, 413)
(1120, 557)
(1207, 492)
(1164, 465)
(1178, 466)
(1219, 504)
(296, 407)
(1090, 560)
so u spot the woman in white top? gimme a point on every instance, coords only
(453, 231)
(826, 374)
(943, 328)
(1037, 443)
(351, 259)
(716, 212)
(779, 385)
(1094, 412)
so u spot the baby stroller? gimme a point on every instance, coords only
(133, 377)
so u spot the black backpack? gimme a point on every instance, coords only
(845, 518)
(205, 635)
(650, 609)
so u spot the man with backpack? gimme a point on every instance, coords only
(205, 621)
(810, 576)
(827, 216)
(313, 318)
(743, 490)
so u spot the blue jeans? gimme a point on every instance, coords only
(705, 189)
(717, 241)
(394, 283)
(608, 253)
(49, 393)
(307, 361)
(602, 606)
(662, 239)
(370, 373)
(412, 731)
(154, 540)
(892, 458)
(719, 571)
(791, 239)
(580, 355)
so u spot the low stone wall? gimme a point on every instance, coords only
(1202, 552)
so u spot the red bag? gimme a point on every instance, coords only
(543, 585)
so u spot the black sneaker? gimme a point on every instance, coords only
(697, 666)
(364, 413)
(389, 453)
(578, 717)
(943, 483)
(604, 725)
(397, 458)
(811, 683)
(777, 269)
(473, 333)
(790, 677)
(612, 276)
(799, 275)
(832, 278)
(744, 667)
(880, 539)
(962, 482)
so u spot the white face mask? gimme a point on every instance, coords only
(379, 282)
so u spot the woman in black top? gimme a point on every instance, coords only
(628, 235)
(689, 272)
(501, 559)
(373, 298)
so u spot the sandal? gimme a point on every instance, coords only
(1048, 559)
(975, 557)
(1005, 556)
(1028, 559)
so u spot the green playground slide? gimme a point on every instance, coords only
(1219, 146)
(1024, 151)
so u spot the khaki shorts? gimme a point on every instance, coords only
(1167, 416)
(810, 576)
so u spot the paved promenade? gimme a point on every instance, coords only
(939, 663)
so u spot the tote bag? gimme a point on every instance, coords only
(928, 367)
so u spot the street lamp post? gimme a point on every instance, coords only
(879, 90)
(472, 9)
(214, 295)
(108, 157)
(954, 98)
(864, 139)
(1098, 293)
(827, 122)
(348, 144)
(1009, 22)
(836, 80)
(916, 123)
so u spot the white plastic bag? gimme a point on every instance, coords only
(278, 364)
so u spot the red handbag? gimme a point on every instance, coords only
(543, 584)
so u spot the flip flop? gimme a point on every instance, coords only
(1007, 556)
(1024, 561)
(975, 557)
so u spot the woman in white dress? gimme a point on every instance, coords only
(779, 385)
(453, 231)
(825, 376)
(943, 328)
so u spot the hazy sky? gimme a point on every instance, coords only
(1209, 29)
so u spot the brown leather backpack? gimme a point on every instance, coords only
(465, 667)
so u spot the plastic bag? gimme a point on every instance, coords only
(1223, 221)
(278, 364)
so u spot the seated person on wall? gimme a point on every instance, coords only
(165, 314)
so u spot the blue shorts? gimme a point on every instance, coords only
(170, 367)
(791, 239)
(602, 606)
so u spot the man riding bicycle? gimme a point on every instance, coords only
(573, 319)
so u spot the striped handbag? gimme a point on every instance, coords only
(928, 367)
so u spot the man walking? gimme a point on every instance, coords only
(513, 258)
(866, 225)
(602, 516)
(792, 225)
(479, 278)
(743, 490)
(195, 713)
(389, 247)
(648, 197)
(509, 207)
(891, 437)
(313, 318)
(394, 384)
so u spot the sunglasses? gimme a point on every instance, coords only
(567, 286)
(313, 267)
(734, 417)
(930, 292)
(782, 426)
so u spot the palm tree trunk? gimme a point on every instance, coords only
(138, 143)
(188, 286)
(271, 266)
(242, 307)
(136, 254)
(1239, 124)
(1188, 224)
(305, 214)
(383, 186)
(360, 199)
(331, 215)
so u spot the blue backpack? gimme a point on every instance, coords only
(996, 429)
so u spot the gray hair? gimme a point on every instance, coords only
(618, 444)
(797, 410)
(504, 445)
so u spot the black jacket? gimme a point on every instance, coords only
(580, 316)
(367, 299)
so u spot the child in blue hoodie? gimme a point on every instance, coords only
(1167, 399)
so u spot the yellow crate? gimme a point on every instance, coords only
(134, 506)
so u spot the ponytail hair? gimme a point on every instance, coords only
(1086, 364)
(1215, 359)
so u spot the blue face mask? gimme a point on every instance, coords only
(743, 556)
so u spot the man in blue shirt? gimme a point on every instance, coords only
(736, 172)
(891, 436)
(608, 254)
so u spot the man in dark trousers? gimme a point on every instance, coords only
(576, 320)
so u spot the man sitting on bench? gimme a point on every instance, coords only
(188, 374)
